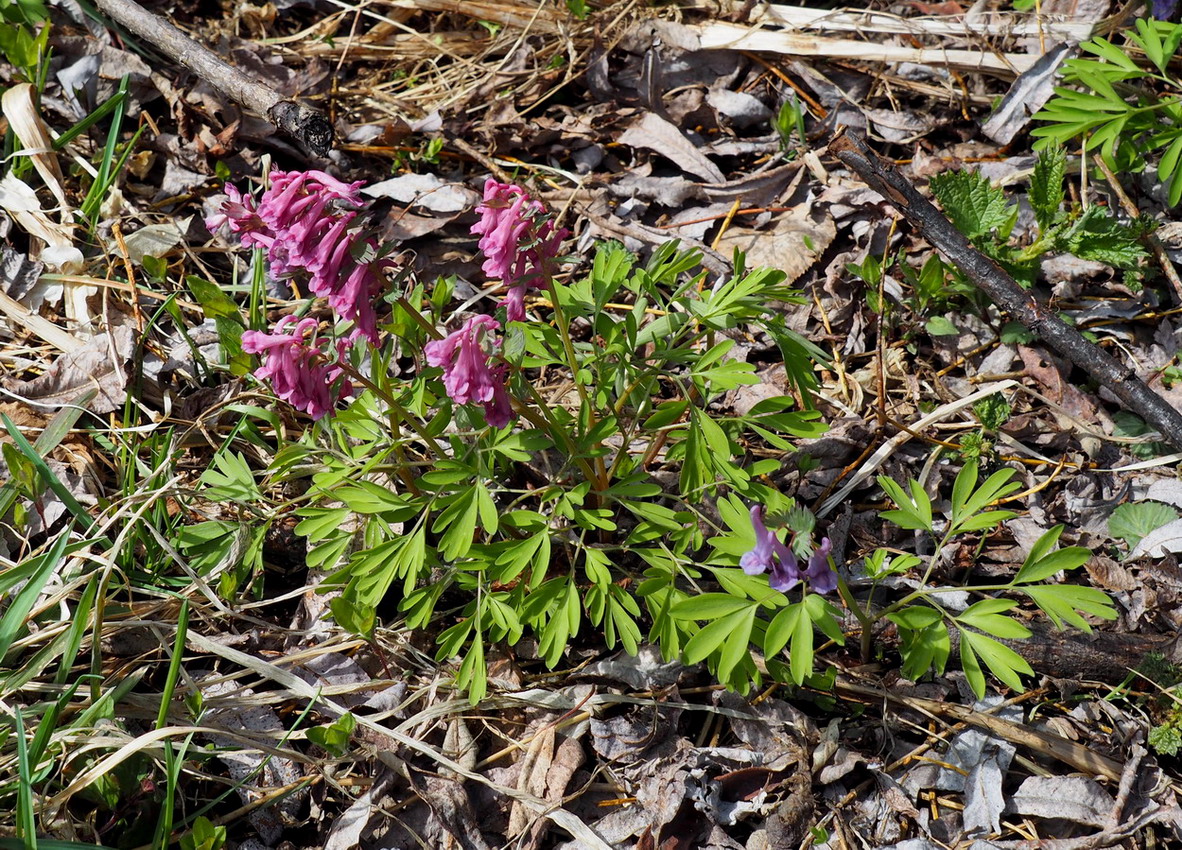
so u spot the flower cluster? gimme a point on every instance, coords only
(305, 220)
(772, 556)
(518, 240)
(467, 374)
(304, 372)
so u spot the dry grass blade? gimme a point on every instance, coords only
(301, 690)
(719, 35)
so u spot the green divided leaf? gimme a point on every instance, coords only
(974, 205)
(1002, 662)
(1060, 602)
(914, 511)
(230, 479)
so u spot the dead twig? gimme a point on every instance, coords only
(307, 126)
(1004, 291)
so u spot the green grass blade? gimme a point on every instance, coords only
(14, 620)
(54, 433)
(60, 490)
(90, 120)
(26, 823)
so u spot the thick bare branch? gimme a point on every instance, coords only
(1018, 303)
(307, 126)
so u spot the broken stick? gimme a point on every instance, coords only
(307, 126)
(880, 174)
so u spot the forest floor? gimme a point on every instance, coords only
(154, 689)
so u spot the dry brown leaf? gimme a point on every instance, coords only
(654, 133)
(792, 244)
(99, 364)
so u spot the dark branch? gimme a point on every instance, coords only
(307, 126)
(881, 175)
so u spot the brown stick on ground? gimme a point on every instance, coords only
(307, 126)
(881, 175)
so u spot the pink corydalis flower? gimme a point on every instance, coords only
(518, 241)
(237, 214)
(772, 556)
(305, 221)
(304, 372)
(468, 376)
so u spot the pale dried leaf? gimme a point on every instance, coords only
(20, 109)
(20, 201)
(1158, 542)
(98, 364)
(654, 133)
(426, 191)
(792, 244)
(1028, 94)
(743, 110)
(156, 240)
(347, 829)
(1074, 798)
(535, 765)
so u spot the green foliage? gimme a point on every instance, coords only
(334, 737)
(977, 207)
(982, 212)
(1127, 112)
(598, 548)
(204, 836)
(1133, 520)
(24, 37)
(924, 623)
(789, 121)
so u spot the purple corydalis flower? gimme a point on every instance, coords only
(519, 244)
(772, 556)
(468, 376)
(822, 578)
(301, 371)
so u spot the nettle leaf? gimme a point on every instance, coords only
(973, 203)
(1133, 520)
(1046, 185)
(1097, 235)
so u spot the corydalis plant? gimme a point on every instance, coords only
(558, 522)
(308, 223)
(468, 374)
(303, 368)
(772, 556)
